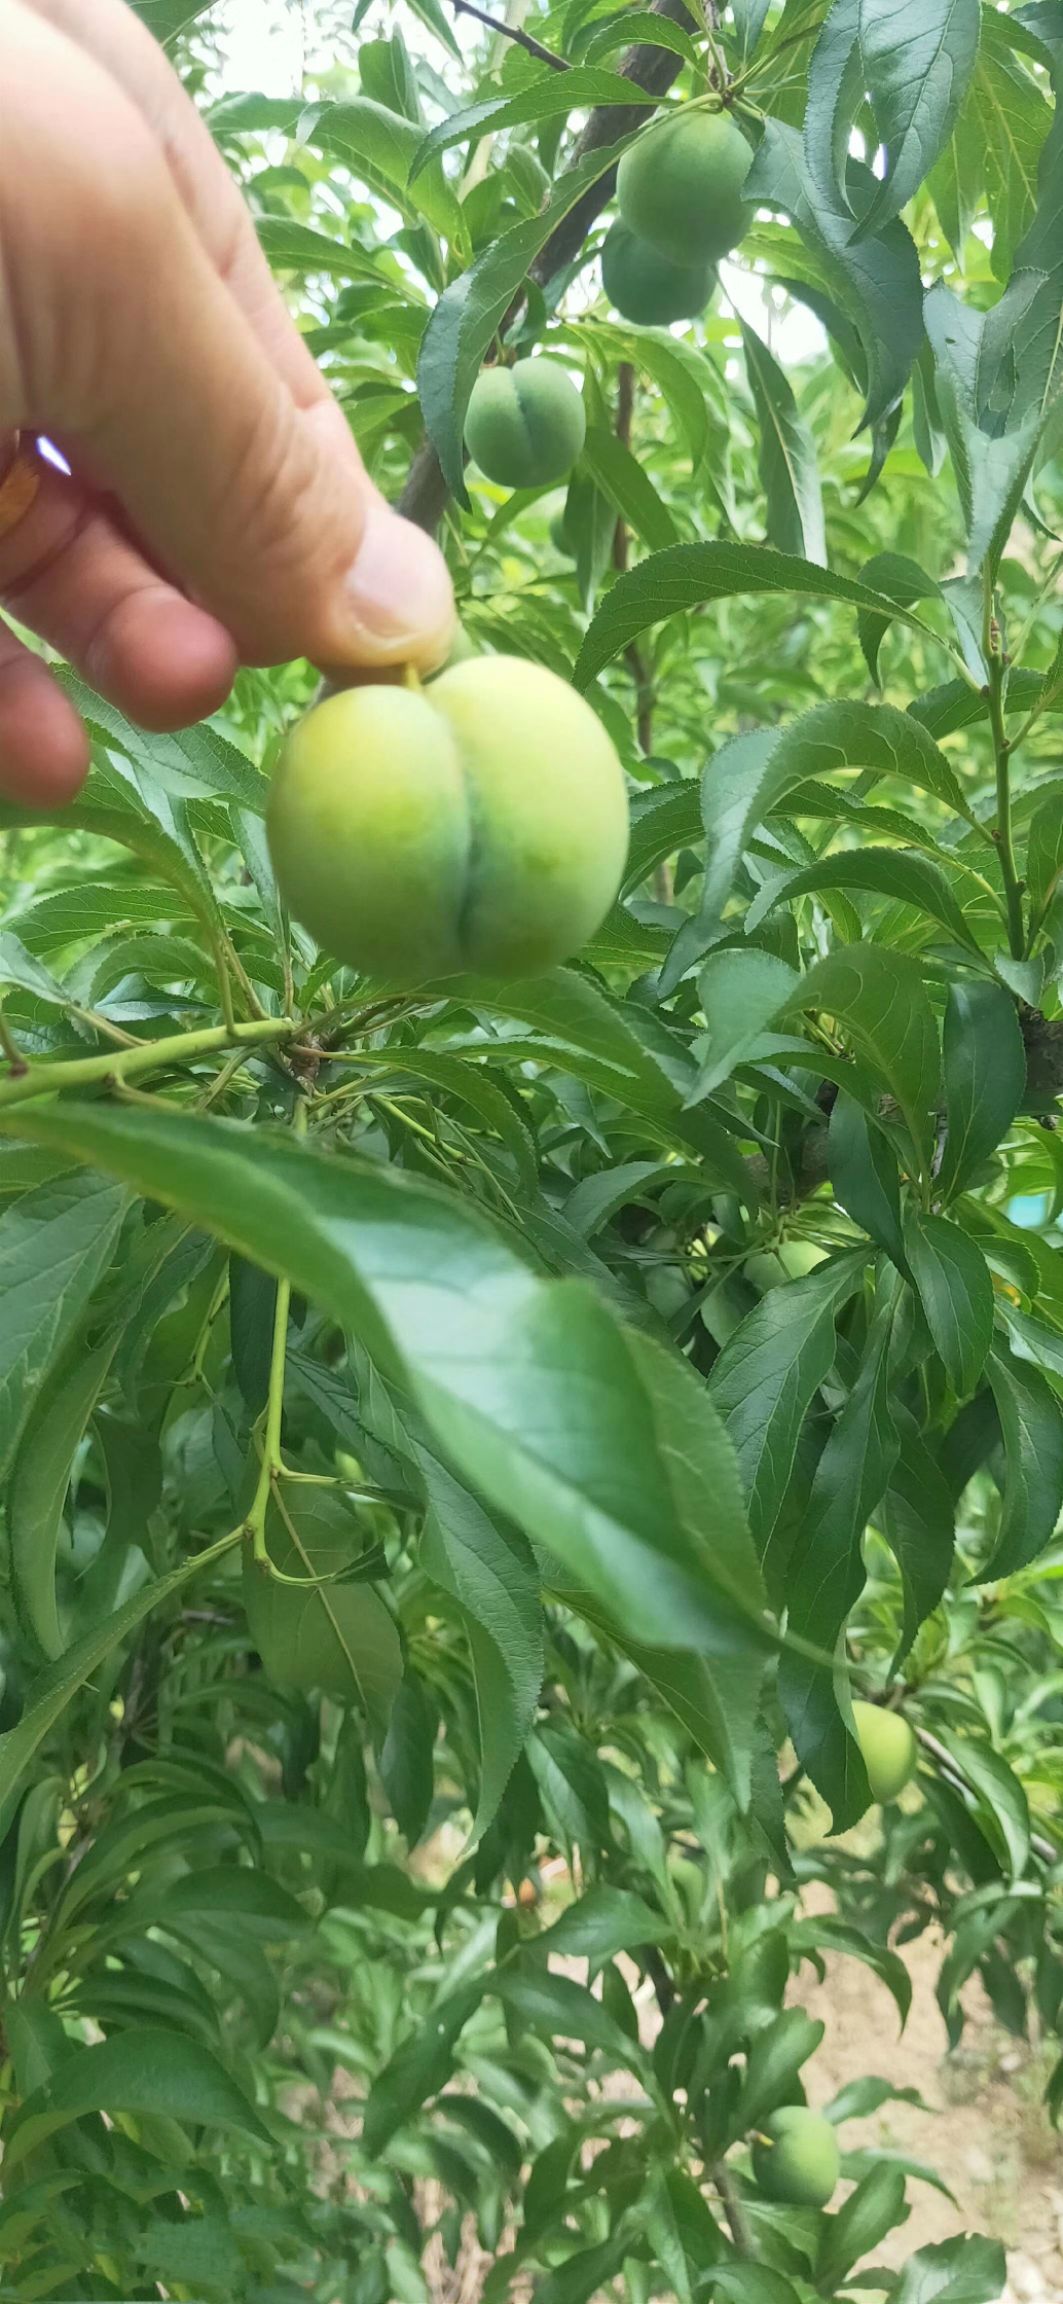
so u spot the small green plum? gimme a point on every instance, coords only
(680, 186)
(796, 2160)
(476, 826)
(888, 1748)
(649, 288)
(525, 426)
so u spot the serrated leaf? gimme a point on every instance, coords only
(1031, 1422)
(55, 1242)
(550, 96)
(878, 996)
(964, 2270)
(435, 1294)
(141, 2071)
(864, 1174)
(789, 471)
(332, 1635)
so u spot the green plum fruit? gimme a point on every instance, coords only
(888, 1747)
(477, 826)
(525, 426)
(796, 2160)
(649, 288)
(679, 186)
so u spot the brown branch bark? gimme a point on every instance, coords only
(651, 71)
(513, 32)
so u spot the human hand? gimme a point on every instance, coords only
(217, 509)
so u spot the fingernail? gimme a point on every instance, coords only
(399, 597)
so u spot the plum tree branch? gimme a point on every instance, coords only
(651, 71)
(513, 32)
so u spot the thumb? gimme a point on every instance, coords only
(243, 482)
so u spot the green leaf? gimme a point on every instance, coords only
(380, 147)
(878, 997)
(1044, 854)
(690, 575)
(145, 2072)
(872, 2210)
(984, 1066)
(919, 1524)
(293, 247)
(789, 472)
(334, 1636)
(51, 1437)
(908, 879)
(420, 2067)
(1002, 1810)
(431, 1290)
(550, 96)
(628, 488)
(469, 312)
(491, 1572)
(599, 1924)
(740, 994)
(778, 2051)
(951, 1278)
(825, 1574)
(875, 278)
(557, 2007)
(903, 581)
(756, 772)
(768, 1375)
(189, 762)
(823, 1929)
(915, 65)
(1031, 1421)
(55, 1242)
(965, 2270)
(864, 1175)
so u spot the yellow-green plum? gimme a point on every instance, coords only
(649, 288)
(525, 426)
(888, 1748)
(679, 186)
(796, 2160)
(478, 826)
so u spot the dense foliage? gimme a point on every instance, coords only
(465, 1450)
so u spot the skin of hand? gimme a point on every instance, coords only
(217, 511)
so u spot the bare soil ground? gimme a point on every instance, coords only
(987, 2135)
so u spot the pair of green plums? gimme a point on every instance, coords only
(476, 826)
(679, 190)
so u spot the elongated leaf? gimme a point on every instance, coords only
(689, 575)
(919, 1524)
(380, 146)
(878, 996)
(767, 1376)
(490, 1570)
(952, 1279)
(826, 1574)
(1003, 1810)
(984, 1065)
(551, 96)
(420, 2067)
(867, 2215)
(555, 2007)
(431, 1291)
(890, 872)
(1031, 1421)
(875, 278)
(40, 1481)
(629, 489)
(601, 1923)
(865, 1176)
(740, 993)
(789, 472)
(158, 2073)
(54, 1244)
(915, 62)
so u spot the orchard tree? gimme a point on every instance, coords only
(530, 1383)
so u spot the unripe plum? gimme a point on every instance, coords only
(888, 1747)
(478, 826)
(649, 288)
(525, 426)
(679, 186)
(797, 2161)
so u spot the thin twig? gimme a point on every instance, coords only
(511, 32)
(731, 2202)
